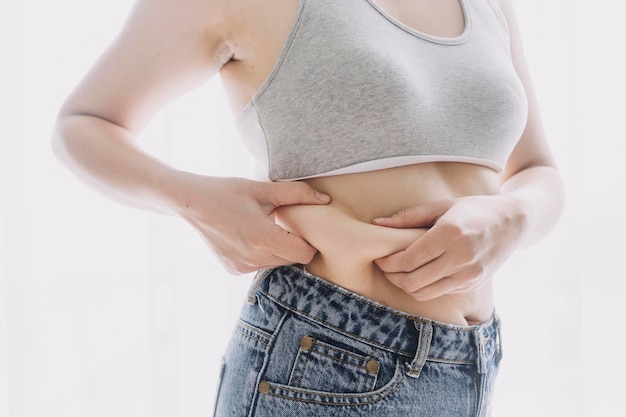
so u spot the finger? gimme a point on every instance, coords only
(424, 250)
(443, 286)
(272, 247)
(289, 193)
(291, 247)
(419, 216)
(421, 277)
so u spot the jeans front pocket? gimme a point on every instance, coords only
(310, 366)
(323, 367)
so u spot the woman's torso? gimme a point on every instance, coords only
(342, 232)
(348, 243)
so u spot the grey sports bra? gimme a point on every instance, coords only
(355, 90)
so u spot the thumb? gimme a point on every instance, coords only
(289, 193)
(424, 215)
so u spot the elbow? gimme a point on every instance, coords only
(59, 142)
(63, 142)
(75, 136)
(69, 142)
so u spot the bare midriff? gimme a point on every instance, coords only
(342, 231)
(348, 242)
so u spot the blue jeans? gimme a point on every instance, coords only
(306, 347)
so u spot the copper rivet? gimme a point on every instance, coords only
(372, 366)
(264, 387)
(307, 342)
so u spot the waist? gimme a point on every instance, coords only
(355, 316)
(348, 243)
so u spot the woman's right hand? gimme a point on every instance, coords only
(235, 217)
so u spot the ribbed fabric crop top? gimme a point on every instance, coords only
(355, 90)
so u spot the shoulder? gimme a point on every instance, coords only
(502, 8)
(507, 10)
(192, 20)
(164, 49)
(215, 17)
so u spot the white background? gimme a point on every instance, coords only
(111, 311)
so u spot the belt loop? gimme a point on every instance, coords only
(423, 346)
(256, 283)
(480, 341)
(498, 332)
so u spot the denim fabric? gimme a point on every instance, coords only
(306, 347)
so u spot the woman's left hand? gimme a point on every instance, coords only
(468, 239)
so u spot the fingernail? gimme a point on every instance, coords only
(380, 220)
(324, 198)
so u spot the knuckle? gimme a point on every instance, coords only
(407, 264)
(420, 296)
(402, 215)
(467, 257)
(463, 282)
(458, 234)
(396, 279)
(477, 270)
(455, 231)
(408, 285)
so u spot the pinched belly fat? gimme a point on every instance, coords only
(347, 250)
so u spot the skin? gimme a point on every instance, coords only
(430, 249)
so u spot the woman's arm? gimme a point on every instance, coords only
(470, 237)
(166, 48)
(531, 177)
(161, 52)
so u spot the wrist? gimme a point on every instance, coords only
(173, 191)
(197, 198)
(516, 216)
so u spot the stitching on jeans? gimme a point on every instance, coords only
(372, 401)
(368, 377)
(260, 276)
(387, 310)
(249, 336)
(355, 365)
(294, 377)
(382, 394)
(364, 300)
(375, 397)
(340, 351)
(258, 379)
(453, 361)
(342, 331)
(302, 371)
(362, 339)
(375, 379)
(416, 366)
(251, 332)
(253, 329)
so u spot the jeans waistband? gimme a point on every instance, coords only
(366, 320)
